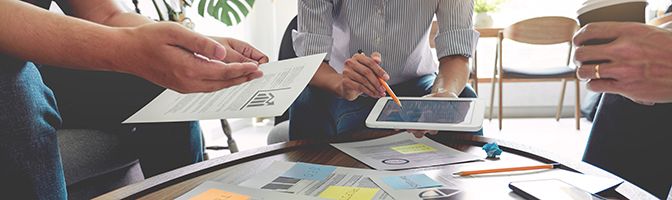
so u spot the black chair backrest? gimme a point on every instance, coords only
(287, 44)
(287, 52)
(632, 141)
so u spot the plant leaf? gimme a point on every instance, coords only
(222, 10)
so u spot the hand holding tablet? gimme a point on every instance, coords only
(445, 114)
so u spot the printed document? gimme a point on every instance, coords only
(267, 96)
(403, 151)
(322, 181)
(211, 190)
(442, 184)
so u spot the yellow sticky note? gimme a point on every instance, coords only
(413, 148)
(215, 194)
(349, 193)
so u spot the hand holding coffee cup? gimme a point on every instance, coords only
(637, 63)
(620, 54)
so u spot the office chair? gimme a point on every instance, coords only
(538, 31)
(632, 141)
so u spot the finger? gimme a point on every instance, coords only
(356, 86)
(211, 86)
(418, 134)
(218, 71)
(372, 65)
(197, 43)
(377, 57)
(616, 71)
(370, 77)
(604, 85)
(353, 75)
(433, 132)
(234, 56)
(592, 54)
(598, 31)
(248, 50)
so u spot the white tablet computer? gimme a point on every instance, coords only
(445, 114)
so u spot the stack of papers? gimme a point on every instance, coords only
(290, 180)
(403, 151)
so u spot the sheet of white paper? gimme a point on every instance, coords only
(267, 96)
(492, 186)
(253, 194)
(271, 179)
(381, 154)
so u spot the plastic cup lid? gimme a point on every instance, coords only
(590, 5)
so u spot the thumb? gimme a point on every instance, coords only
(197, 43)
(377, 57)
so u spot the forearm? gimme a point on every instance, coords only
(453, 75)
(105, 12)
(327, 78)
(35, 34)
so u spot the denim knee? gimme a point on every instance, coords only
(28, 107)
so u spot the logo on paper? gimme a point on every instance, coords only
(262, 98)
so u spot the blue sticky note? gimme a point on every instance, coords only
(309, 171)
(415, 181)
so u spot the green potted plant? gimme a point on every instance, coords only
(483, 8)
(229, 12)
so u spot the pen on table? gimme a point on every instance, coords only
(386, 86)
(507, 169)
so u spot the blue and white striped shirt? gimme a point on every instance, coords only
(398, 29)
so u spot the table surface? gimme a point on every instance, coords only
(236, 168)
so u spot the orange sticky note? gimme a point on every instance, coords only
(215, 194)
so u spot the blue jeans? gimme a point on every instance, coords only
(30, 163)
(318, 114)
(102, 100)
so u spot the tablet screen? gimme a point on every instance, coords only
(426, 111)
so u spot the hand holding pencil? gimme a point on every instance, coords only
(363, 75)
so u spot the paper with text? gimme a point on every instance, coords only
(486, 186)
(267, 96)
(403, 151)
(211, 190)
(272, 179)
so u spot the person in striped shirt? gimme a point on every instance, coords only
(393, 36)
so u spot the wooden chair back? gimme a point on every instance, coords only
(542, 30)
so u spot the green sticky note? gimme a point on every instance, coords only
(349, 193)
(413, 148)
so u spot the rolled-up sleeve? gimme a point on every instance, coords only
(314, 28)
(456, 33)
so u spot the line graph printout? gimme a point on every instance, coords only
(267, 96)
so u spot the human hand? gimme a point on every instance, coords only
(175, 57)
(239, 51)
(360, 75)
(637, 62)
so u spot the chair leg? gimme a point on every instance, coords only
(501, 107)
(577, 107)
(562, 99)
(476, 85)
(226, 128)
(492, 95)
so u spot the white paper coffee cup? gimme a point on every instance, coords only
(612, 10)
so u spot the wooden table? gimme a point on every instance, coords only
(243, 165)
